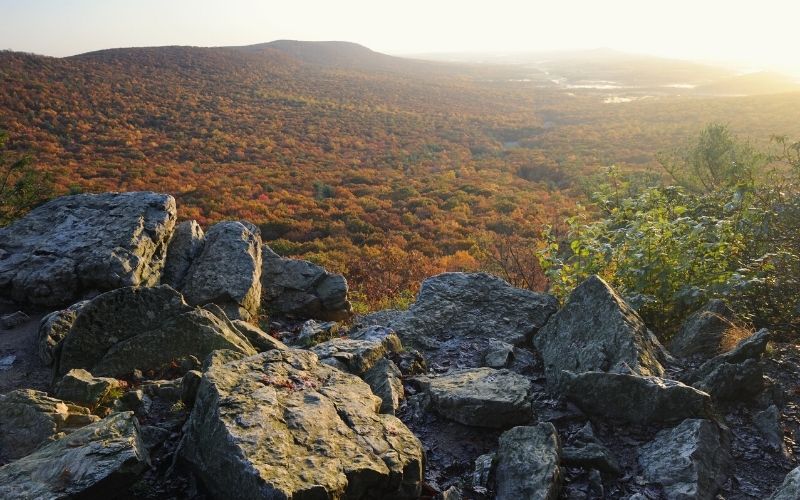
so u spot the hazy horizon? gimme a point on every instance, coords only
(759, 37)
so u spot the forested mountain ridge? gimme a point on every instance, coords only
(337, 150)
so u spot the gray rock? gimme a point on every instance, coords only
(528, 461)
(690, 461)
(386, 382)
(77, 244)
(481, 475)
(142, 328)
(189, 385)
(314, 332)
(768, 422)
(228, 270)
(136, 401)
(153, 436)
(97, 461)
(733, 382)
(451, 493)
(29, 419)
(220, 357)
(80, 387)
(790, 488)
(707, 332)
(282, 425)
(359, 352)
(184, 247)
(299, 289)
(13, 320)
(52, 330)
(752, 347)
(456, 314)
(635, 399)
(7, 361)
(258, 338)
(168, 390)
(587, 451)
(498, 354)
(481, 397)
(597, 331)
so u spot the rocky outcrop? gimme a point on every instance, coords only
(597, 331)
(80, 387)
(91, 242)
(283, 425)
(634, 399)
(97, 461)
(690, 461)
(706, 333)
(361, 351)
(227, 271)
(790, 488)
(481, 397)
(186, 244)
(456, 314)
(31, 418)
(528, 460)
(145, 329)
(52, 330)
(299, 289)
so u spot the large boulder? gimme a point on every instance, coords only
(227, 271)
(597, 330)
(528, 460)
(299, 289)
(78, 244)
(790, 488)
(97, 461)
(145, 329)
(733, 382)
(633, 399)
(690, 461)
(481, 397)
(186, 244)
(31, 418)
(52, 330)
(706, 333)
(283, 425)
(456, 314)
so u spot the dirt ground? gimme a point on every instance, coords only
(26, 370)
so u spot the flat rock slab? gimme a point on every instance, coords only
(481, 397)
(456, 314)
(360, 352)
(29, 419)
(97, 461)
(634, 399)
(528, 464)
(597, 330)
(283, 425)
(690, 461)
(89, 242)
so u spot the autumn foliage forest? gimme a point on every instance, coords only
(385, 169)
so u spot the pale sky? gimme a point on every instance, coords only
(761, 34)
